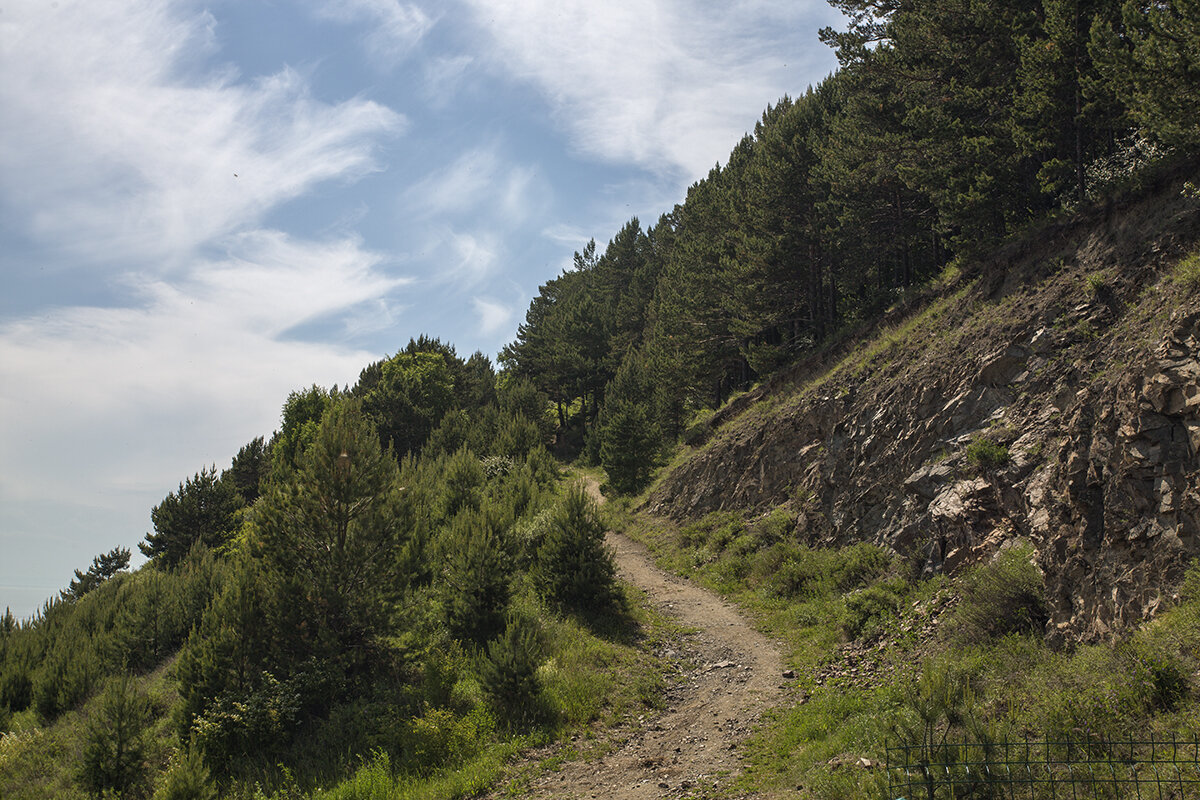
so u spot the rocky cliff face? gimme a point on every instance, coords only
(1053, 394)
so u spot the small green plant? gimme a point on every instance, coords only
(1001, 597)
(1098, 286)
(187, 778)
(509, 674)
(869, 610)
(1187, 272)
(574, 569)
(986, 455)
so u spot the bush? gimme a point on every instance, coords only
(1187, 272)
(858, 565)
(462, 483)
(812, 572)
(716, 530)
(1157, 673)
(439, 738)
(1002, 597)
(187, 778)
(870, 609)
(984, 454)
(475, 580)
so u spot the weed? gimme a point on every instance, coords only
(1098, 286)
(1187, 271)
(986, 455)
(1001, 597)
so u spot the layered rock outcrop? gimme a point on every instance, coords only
(1053, 394)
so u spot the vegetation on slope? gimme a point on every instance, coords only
(395, 589)
(408, 618)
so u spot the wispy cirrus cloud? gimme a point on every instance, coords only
(131, 160)
(394, 28)
(668, 85)
(492, 316)
(116, 148)
(482, 183)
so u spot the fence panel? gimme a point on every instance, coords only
(1038, 769)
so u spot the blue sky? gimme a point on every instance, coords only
(204, 206)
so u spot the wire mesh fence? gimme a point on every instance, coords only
(1144, 769)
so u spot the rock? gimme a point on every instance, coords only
(927, 481)
(1001, 369)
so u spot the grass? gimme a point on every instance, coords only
(939, 633)
(1187, 271)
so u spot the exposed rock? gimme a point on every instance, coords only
(1092, 411)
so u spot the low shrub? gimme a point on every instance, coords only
(1001, 597)
(869, 610)
(985, 454)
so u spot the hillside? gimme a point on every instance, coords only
(1051, 391)
(913, 379)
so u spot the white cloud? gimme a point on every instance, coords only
(459, 187)
(395, 28)
(113, 151)
(120, 145)
(443, 76)
(669, 85)
(481, 183)
(200, 362)
(493, 317)
(475, 255)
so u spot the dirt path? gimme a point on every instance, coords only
(732, 673)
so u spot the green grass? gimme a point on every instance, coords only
(1009, 683)
(1187, 271)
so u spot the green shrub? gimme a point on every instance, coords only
(1187, 272)
(858, 565)
(1098, 286)
(714, 530)
(187, 778)
(869, 610)
(804, 573)
(574, 569)
(1159, 674)
(813, 572)
(440, 738)
(1001, 597)
(985, 454)
(474, 587)
(461, 483)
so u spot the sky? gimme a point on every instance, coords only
(207, 205)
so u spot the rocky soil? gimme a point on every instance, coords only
(1051, 393)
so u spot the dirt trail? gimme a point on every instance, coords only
(731, 674)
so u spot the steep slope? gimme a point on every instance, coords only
(1049, 392)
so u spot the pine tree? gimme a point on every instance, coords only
(330, 535)
(629, 439)
(187, 779)
(508, 672)
(474, 586)
(203, 510)
(574, 569)
(115, 742)
(103, 567)
(1150, 57)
